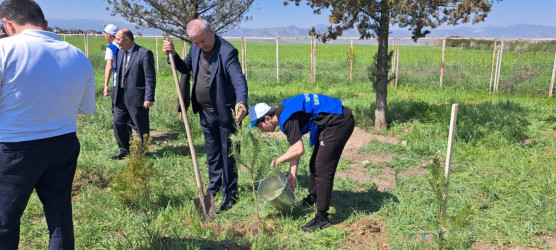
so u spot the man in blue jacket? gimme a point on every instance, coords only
(219, 86)
(329, 125)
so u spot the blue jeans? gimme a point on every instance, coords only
(47, 166)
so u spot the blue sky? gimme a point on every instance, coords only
(271, 13)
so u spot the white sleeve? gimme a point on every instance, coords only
(109, 55)
(87, 105)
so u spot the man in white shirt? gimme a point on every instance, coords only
(110, 56)
(44, 83)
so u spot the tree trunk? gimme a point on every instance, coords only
(381, 108)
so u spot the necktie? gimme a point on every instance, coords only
(122, 70)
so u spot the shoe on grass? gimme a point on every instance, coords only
(306, 202)
(316, 223)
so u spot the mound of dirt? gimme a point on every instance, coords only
(365, 233)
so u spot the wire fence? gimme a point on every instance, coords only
(509, 65)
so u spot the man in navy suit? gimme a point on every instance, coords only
(219, 86)
(133, 94)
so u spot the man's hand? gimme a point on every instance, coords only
(106, 93)
(241, 111)
(147, 104)
(168, 47)
(291, 181)
(273, 164)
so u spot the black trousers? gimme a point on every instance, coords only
(47, 166)
(139, 116)
(221, 166)
(324, 161)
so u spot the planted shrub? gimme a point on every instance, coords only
(131, 184)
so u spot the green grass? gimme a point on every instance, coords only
(502, 161)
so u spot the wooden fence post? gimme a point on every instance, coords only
(351, 62)
(496, 70)
(393, 60)
(315, 62)
(397, 62)
(245, 57)
(277, 62)
(550, 91)
(85, 45)
(492, 67)
(183, 49)
(242, 55)
(311, 60)
(157, 64)
(500, 52)
(442, 61)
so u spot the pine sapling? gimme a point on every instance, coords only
(131, 183)
(439, 186)
(245, 149)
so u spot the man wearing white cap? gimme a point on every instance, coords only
(329, 125)
(110, 56)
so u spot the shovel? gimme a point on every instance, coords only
(205, 203)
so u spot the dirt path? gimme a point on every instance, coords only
(356, 171)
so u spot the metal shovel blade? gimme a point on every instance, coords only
(210, 208)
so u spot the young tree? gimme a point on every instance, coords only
(373, 18)
(172, 16)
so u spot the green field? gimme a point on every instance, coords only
(503, 160)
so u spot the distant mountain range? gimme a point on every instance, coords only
(514, 31)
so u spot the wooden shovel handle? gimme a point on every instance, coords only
(189, 138)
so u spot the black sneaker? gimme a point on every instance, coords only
(307, 202)
(316, 223)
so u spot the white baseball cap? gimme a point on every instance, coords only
(258, 111)
(110, 29)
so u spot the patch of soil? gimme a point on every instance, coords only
(548, 241)
(365, 233)
(356, 171)
(101, 182)
(413, 172)
(161, 136)
(251, 227)
(359, 138)
(550, 133)
(386, 179)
